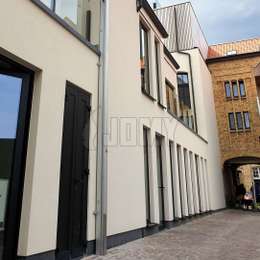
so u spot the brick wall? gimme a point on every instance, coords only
(243, 143)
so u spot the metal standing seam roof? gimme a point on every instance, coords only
(183, 27)
(238, 47)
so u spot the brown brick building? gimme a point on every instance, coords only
(235, 69)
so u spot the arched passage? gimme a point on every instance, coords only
(239, 175)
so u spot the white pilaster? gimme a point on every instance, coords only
(176, 183)
(153, 179)
(201, 186)
(195, 184)
(189, 183)
(185, 210)
(205, 185)
(168, 206)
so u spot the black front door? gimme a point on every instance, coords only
(72, 220)
(15, 101)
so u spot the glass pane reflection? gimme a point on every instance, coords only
(10, 91)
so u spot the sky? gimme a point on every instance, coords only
(225, 20)
(9, 105)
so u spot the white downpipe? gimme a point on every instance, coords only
(102, 135)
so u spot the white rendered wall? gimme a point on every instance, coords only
(129, 111)
(206, 121)
(32, 38)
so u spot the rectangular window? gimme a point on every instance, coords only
(81, 15)
(239, 119)
(147, 173)
(232, 123)
(246, 120)
(235, 89)
(242, 89)
(227, 89)
(171, 98)
(186, 111)
(157, 68)
(144, 59)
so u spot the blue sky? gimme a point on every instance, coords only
(226, 20)
(9, 105)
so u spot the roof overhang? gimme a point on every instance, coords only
(233, 57)
(150, 12)
(170, 57)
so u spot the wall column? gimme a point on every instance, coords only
(153, 180)
(201, 186)
(205, 184)
(183, 183)
(195, 184)
(176, 182)
(189, 183)
(168, 205)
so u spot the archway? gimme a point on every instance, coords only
(239, 175)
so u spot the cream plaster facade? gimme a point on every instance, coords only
(41, 44)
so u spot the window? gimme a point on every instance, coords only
(157, 68)
(147, 173)
(233, 52)
(232, 123)
(242, 89)
(81, 15)
(246, 120)
(186, 112)
(235, 89)
(144, 59)
(239, 119)
(228, 89)
(171, 98)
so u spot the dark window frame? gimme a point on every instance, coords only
(16, 183)
(168, 84)
(145, 78)
(239, 116)
(66, 26)
(230, 121)
(147, 173)
(244, 87)
(230, 90)
(233, 84)
(245, 122)
(158, 69)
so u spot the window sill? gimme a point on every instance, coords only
(240, 131)
(148, 95)
(162, 106)
(180, 121)
(59, 20)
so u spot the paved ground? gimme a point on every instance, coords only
(227, 235)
